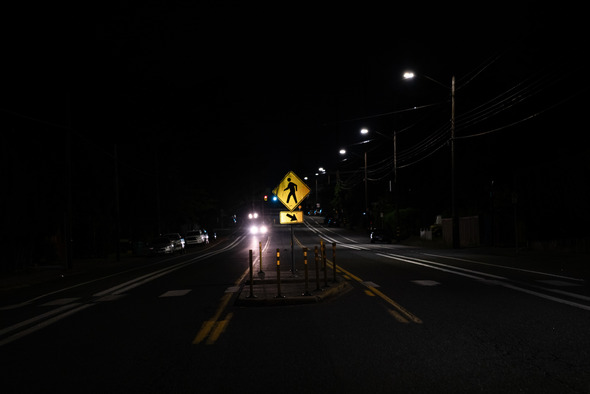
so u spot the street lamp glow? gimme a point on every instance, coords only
(364, 131)
(342, 151)
(409, 75)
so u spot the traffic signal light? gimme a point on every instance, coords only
(265, 197)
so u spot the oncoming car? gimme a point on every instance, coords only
(256, 225)
(257, 228)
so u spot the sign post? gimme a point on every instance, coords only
(291, 191)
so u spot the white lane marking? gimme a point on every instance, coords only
(370, 284)
(123, 287)
(67, 311)
(71, 308)
(503, 266)
(438, 266)
(176, 293)
(60, 301)
(426, 282)
(502, 282)
(110, 297)
(548, 297)
(558, 283)
(328, 238)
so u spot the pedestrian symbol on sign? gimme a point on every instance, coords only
(291, 191)
(292, 187)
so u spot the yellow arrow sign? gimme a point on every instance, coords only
(291, 217)
(291, 191)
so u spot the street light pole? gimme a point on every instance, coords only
(395, 189)
(366, 131)
(454, 214)
(366, 193)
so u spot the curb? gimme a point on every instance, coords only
(316, 297)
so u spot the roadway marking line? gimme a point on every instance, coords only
(43, 324)
(107, 295)
(376, 292)
(435, 264)
(397, 316)
(219, 328)
(426, 282)
(558, 283)
(504, 266)
(60, 301)
(548, 297)
(204, 331)
(369, 293)
(111, 297)
(123, 287)
(397, 306)
(208, 325)
(175, 293)
(502, 282)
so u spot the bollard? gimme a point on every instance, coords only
(334, 259)
(279, 295)
(251, 278)
(306, 273)
(317, 269)
(324, 265)
(260, 256)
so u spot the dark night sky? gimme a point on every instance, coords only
(234, 96)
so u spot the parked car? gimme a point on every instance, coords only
(160, 245)
(196, 237)
(178, 240)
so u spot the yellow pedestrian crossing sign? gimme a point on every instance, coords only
(291, 191)
(291, 217)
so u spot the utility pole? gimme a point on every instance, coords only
(395, 189)
(366, 192)
(117, 208)
(454, 214)
(68, 181)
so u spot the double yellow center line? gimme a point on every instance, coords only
(400, 313)
(213, 328)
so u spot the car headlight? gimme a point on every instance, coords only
(254, 229)
(263, 230)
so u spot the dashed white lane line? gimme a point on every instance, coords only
(176, 293)
(426, 282)
(60, 301)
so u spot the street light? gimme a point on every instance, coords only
(454, 214)
(366, 131)
(343, 152)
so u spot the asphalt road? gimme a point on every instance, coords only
(412, 320)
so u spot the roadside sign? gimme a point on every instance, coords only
(291, 217)
(291, 191)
